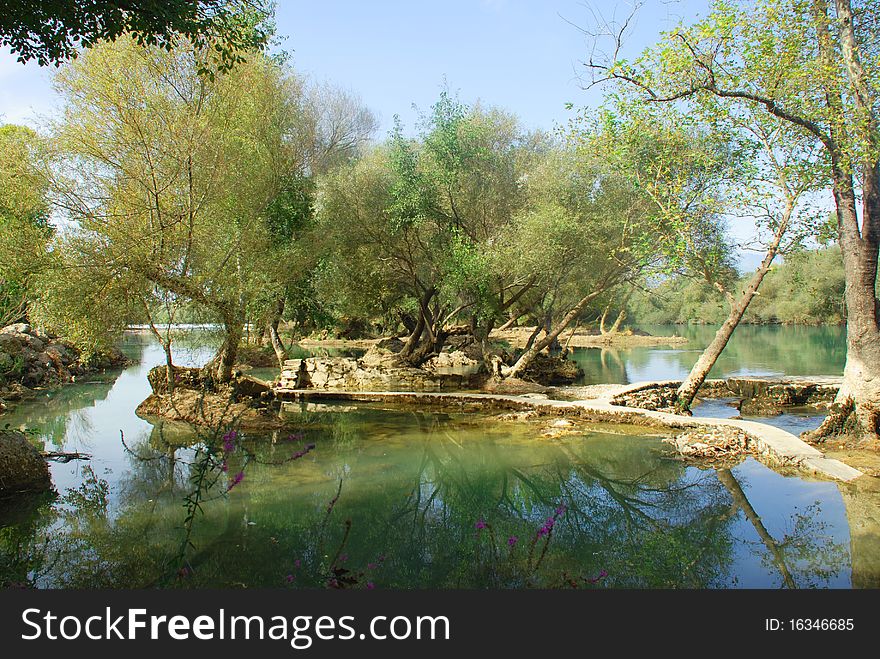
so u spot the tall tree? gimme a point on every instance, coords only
(814, 65)
(24, 220)
(167, 173)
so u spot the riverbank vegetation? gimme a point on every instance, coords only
(805, 289)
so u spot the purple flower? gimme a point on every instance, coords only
(343, 558)
(224, 467)
(481, 524)
(229, 441)
(290, 578)
(371, 566)
(598, 577)
(238, 478)
(295, 436)
(297, 563)
(381, 558)
(370, 585)
(560, 510)
(512, 540)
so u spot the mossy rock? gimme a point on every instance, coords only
(22, 468)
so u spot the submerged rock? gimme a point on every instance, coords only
(22, 467)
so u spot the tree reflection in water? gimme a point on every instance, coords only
(394, 499)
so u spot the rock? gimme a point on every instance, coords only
(561, 423)
(251, 387)
(22, 468)
(206, 408)
(550, 369)
(16, 328)
(451, 360)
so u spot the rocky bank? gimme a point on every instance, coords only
(31, 359)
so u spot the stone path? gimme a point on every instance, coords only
(776, 444)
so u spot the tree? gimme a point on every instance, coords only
(414, 224)
(583, 231)
(774, 189)
(813, 65)
(167, 175)
(24, 220)
(53, 31)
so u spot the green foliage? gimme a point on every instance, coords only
(418, 219)
(52, 31)
(200, 205)
(24, 219)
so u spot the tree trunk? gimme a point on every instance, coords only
(529, 355)
(274, 337)
(687, 391)
(416, 335)
(856, 408)
(221, 365)
(617, 321)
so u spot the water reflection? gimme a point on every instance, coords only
(408, 489)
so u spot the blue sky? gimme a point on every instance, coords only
(522, 55)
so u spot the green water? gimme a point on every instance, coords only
(392, 499)
(753, 350)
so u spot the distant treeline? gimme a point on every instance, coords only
(807, 288)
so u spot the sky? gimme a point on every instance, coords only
(522, 55)
(525, 56)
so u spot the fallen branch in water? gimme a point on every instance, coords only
(65, 456)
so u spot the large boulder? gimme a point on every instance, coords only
(22, 468)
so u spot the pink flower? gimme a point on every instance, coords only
(370, 585)
(238, 478)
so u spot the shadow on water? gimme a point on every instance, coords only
(394, 498)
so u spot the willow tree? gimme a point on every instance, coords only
(24, 220)
(415, 222)
(583, 231)
(166, 173)
(814, 65)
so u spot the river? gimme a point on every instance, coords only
(392, 498)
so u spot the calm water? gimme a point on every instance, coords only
(393, 498)
(753, 350)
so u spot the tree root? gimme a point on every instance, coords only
(847, 418)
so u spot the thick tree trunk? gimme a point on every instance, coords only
(687, 391)
(415, 337)
(856, 409)
(529, 355)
